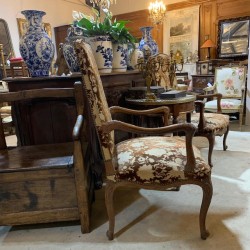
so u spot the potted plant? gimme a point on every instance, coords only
(97, 34)
(100, 32)
(120, 37)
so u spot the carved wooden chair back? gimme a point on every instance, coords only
(151, 162)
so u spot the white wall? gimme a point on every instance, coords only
(58, 12)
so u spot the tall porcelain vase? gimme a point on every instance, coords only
(103, 52)
(36, 47)
(147, 43)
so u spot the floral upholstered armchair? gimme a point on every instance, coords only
(150, 162)
(230, 82)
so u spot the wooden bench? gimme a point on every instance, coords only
(45, 183)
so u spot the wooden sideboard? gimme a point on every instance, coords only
(54, 119)
(199, 82)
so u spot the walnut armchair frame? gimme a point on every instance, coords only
(149, 170)
(210, 125)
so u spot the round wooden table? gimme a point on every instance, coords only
(176, 105)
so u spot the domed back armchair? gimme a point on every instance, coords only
(150, 162)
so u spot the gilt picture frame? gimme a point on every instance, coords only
(22, 25)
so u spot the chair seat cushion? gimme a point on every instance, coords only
(214, 122)
(157, 159)
(227, 105)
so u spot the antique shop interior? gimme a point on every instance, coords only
(124, 124)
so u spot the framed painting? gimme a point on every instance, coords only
(23, 25)
(233, 37)
(181, 31)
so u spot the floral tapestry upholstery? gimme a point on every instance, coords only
(230, 81)
(214, 122)
(157, 159)
(227, 105)
(95, 93)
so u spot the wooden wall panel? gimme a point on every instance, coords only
(207, 27)
(211, 11)
(139, 19)
(232, 8)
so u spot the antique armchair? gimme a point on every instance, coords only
(230, 82)
(47, 182)
(210, 125)
(151, 162)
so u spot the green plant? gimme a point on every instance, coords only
(93, 26)
(119, 33)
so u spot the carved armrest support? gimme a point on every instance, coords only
(163, 109)
(218, 96)
(202, 121)
(189, 130)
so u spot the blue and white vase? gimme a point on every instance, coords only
(120, 57)
(103, 52)
(147, 44)
(36, 47)
(73, 33)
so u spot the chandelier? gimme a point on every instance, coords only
(157, 11)
(103, 4)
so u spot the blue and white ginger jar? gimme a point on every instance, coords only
(36, 47)
(69, 53)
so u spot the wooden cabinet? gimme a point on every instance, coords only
(53, 118)
(200, 82)
(60, 34)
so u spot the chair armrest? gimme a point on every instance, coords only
(210, 88)
(188, 128)
(78, 127)
(218, 96)
(162, 109)
(202, 121)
